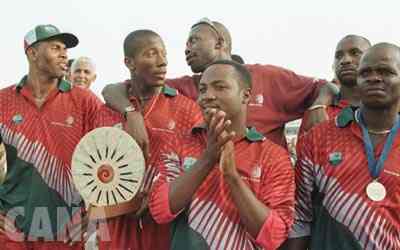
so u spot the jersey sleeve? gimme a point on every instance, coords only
(292, 93)
(168, 166)
(277, 193)
(304, 177)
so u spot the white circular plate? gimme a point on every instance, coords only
(107, 167)
(376, 191)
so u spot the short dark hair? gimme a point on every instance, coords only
(135, 40)
(352, 36)
(241, 71)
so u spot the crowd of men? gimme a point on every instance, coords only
(218, 172)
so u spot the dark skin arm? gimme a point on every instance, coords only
(253, 212)
(116, 97)
(327, 94)
(183, 188)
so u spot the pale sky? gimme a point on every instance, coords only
(299, 35)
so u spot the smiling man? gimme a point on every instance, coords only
(83, 72)
(233, 188)
(42, 119)
(348, 170)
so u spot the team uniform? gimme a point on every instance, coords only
(167, 113)
(212, 218)
(332, 205)
(278, 96)
(38, 191)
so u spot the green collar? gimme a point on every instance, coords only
(168, 91)
(345, 117)
(252, 135)
(63, 85)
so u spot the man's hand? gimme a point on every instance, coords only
(141, 199)
(217, 136)
(77, 230)
(135, 127)
(227, 161)
(8, 228)
(6, 224)
(143, 207)
(327, 94)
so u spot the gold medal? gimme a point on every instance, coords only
(376, 191)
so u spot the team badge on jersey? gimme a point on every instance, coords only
(335, 158)
(188, 162)
(17, 119)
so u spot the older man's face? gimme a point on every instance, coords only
(379, 78)
(82, 74)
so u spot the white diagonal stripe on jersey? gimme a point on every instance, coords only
(345, 206)
(216, 228)
(371, 229)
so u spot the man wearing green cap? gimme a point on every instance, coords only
(42, 119)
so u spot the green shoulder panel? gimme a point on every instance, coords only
(345, 117)
(168, 91)
(253, 135)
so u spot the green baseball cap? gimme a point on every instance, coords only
(48, 31)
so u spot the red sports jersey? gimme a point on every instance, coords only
(169, 113)
(331, 202)
(264, 166)
(278, 96)
(39, 144)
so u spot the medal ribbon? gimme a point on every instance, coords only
(375, 166)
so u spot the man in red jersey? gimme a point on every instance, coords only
(278, 95)
(235, 186)
(165, 111)
(347, 174)
(42, 119)
(347, 58)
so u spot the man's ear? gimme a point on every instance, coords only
(32, 53)
(130, 63)
(220, 43)
(246, 95)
